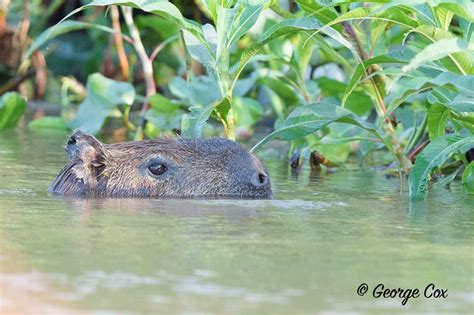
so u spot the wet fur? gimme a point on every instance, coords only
(197, 168)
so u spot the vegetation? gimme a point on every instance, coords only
(392, 81)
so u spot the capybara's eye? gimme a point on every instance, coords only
(157, 168)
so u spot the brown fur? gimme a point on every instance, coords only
(213, 168)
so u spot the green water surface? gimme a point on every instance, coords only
(304, 252)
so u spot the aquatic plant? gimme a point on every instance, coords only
(394, 78)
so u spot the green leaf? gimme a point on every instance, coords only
(302, 54)
(283, 90)
(164, 8)
(446, 180)
(462, 8)
(330, 87)
(285, 27)
(403, 56)
(359, 103)
(48, 122)
(406, 88)
(336, 153)
(444, 17)
(276, 102)
(193, 122)
(103, 96)
(163, 104)
(456, 103)
(162, 121)
(161, 26)
(321, 12)
(464, 84)
(225, 17)
(57, 30)
(437, 119)
(468, 178)
(330, 52)
(467, 29)
(247, 111)
(203, 96)
(243, 86)
(456, 61)
(438, 50)
(433, 156)
(161, 8)
(201, 51)
(163, 115)
(12, 107)
(422, 8)
(378, 27)
(244, 18)
(459, 62)
(223, 109)
(394, 14)
(306, 119)
(211, 6)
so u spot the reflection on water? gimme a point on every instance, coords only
(306, 251)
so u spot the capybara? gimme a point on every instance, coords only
(175, 168)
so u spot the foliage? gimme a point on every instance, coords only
(103, 97)
(434, 155)
(387, 76)
(468, 178)
(48, 122)
(307, 119)
(55, 31)
(12, 106)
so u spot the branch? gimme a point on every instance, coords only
(13, 83)
(147, 66)
(377, 83)
(123, 61)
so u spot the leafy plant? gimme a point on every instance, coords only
(48, 122)
(103, 98)
(433, 156)
(468, 178)
(12, 107)
(393, 76)
(307, 119)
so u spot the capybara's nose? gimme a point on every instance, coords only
(259, 179)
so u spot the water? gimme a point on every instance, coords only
(305, 252)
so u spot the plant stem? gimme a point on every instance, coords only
(13, 83)
(229, 125)
(123, 61)
(3, 15)
(162, 45)
(418, 149)
(417, 135)
(126, 120)
(147, 67)
(377, 85)
(24, 24)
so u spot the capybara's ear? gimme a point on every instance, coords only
(87, 159)
(86, 148)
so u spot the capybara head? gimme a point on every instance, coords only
(178, 168)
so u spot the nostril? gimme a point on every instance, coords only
(259, 179)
